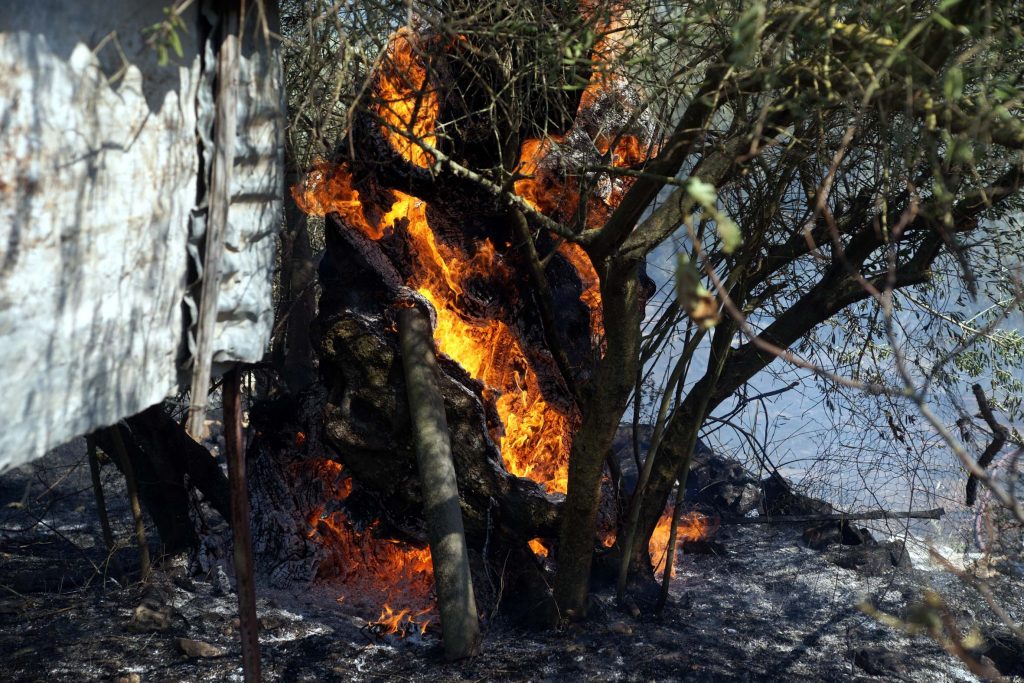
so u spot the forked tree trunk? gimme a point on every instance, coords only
(603, 407)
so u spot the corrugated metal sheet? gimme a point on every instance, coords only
(100, 201)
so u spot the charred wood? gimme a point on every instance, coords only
(935, 513)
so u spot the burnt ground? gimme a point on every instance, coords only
(760, 606)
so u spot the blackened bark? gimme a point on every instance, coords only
(293, 348)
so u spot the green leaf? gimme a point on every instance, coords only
(746, 34)
(175, 41)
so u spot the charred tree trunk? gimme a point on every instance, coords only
(367, 420)
(445, 532)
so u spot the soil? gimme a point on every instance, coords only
(757, 605)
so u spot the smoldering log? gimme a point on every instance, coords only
(445, 532)
(367, 421)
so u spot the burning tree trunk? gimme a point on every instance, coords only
(403, 216)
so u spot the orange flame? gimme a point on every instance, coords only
(538, 547)
(693, 526)
(373, 571)
(327, 188)
(536, 437)
(401, 623)
(407, 106)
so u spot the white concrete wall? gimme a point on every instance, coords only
(99, 179)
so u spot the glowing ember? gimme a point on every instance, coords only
(693, 526)
(538, 547)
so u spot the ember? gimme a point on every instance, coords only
(538, 547)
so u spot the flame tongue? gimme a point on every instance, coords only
(401, 623)
(405, 104)
(373, 570)
(693, 526)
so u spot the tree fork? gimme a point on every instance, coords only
(1000, 435)
(445, 532)
(720, 352)
(602, 410)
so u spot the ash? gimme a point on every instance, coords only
(760, 605)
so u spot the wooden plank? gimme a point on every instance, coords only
(225, 127)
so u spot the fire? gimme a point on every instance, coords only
(538, 547)
(327, 188)
(399, 623)
(374, 571)
(407, 107)
(693, 526)
(535, 442)
(536, 437)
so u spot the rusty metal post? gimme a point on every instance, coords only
(245, 580)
